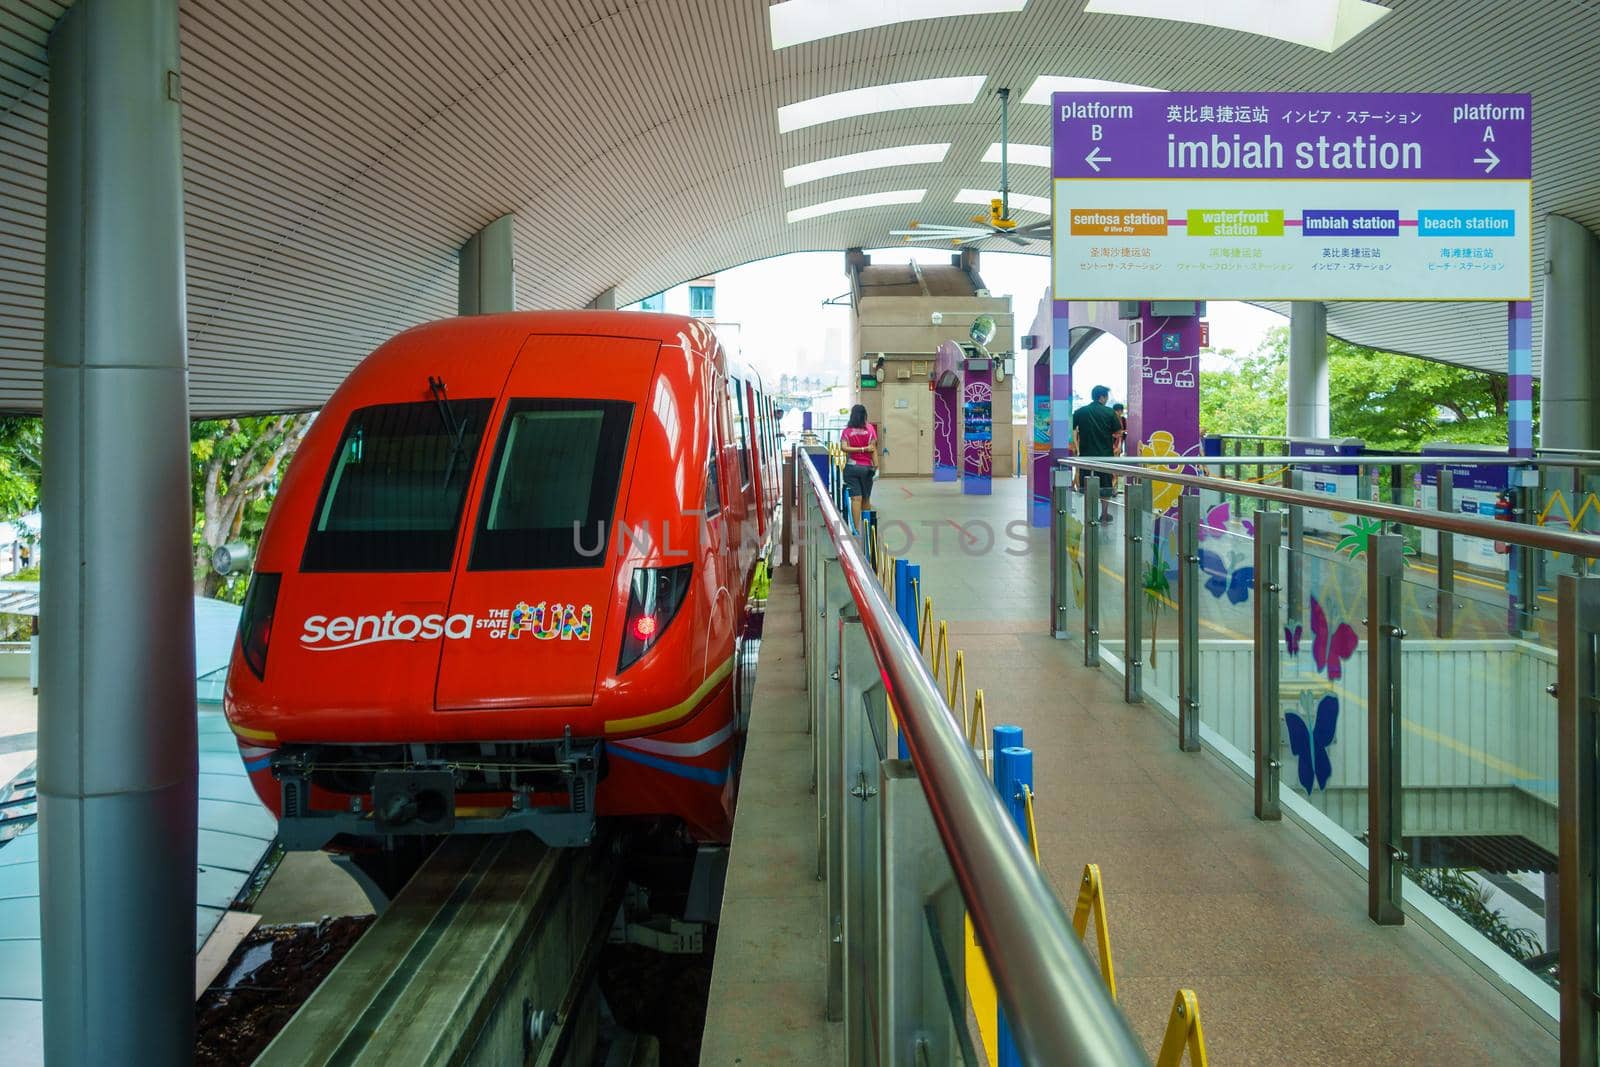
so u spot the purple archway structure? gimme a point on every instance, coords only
(1163, 389)
(946, 410)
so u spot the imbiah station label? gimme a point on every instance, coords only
(1292, 196)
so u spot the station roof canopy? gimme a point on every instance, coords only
(337, 154)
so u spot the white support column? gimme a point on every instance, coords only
(1569, 403)
(1308, 369)
(606, 301)
(488, 283)
(117, 759)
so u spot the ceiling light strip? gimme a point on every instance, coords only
(872, 99)
(799, 21)
(901, 156)
(856, 203)
(1046, 84)
(1020, 155)
(1326, 25)
(1039, 204)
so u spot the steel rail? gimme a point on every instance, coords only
(1515, 533)
(1056, 1005)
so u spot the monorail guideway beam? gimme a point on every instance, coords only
(117, 727)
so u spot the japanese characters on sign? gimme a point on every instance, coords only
(1292, 196)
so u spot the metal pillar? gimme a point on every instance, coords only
(117, 756)
(1569, 403)
(1308, 369)
(1136, 503)
(1189, 623)
(1445, 609)
(1578, 699)
(1091, 571)
(1060, 560)
(1385, 569)
(1268, 625)
(487, 284)
(1294, 579)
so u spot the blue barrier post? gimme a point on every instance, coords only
(1013, 768)
(913, 607)
(1003, 737)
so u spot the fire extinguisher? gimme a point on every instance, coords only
(1505, 513)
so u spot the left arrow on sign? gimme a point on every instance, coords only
(1094, 158)
(1489, 160)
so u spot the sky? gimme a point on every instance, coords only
(772, 311)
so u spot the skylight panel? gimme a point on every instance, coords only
(798, 21)
(1044, 85)
(895, 96)
(1039, 204)
(1326, 25)
(901, 156)
(1020, 155)
(856, 203)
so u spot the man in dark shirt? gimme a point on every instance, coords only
(1094, 430)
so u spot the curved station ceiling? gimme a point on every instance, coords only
(337, 153)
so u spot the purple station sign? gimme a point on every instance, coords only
(1380, 196)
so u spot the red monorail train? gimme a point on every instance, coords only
(506, 583)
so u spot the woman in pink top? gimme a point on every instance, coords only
(860, 441)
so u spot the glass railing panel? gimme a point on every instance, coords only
(1071, 567)
(963, 1026)
(1478, 758)
(1322, 682)
(1158, 586)
(1109, 535)
(1226, 626)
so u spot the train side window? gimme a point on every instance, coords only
(713, 488)
(736, 387)
(393, 496)
(552, 486)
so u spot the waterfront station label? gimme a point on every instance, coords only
(1301, 196)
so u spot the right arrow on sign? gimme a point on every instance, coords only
(1094, 158)
(1489, 160)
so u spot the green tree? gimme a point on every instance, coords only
(237, 464)
(21, 455)
(1390, 401)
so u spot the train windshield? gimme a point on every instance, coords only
(553, 485)
(392, 500)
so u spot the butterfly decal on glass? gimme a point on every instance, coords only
(1329, 649)
(1215, 523)
(1310, 744)
(1220, 580)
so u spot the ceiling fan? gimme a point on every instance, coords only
(998, 223)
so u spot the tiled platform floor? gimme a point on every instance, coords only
(769, 981)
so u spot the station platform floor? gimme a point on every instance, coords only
(1261, 920)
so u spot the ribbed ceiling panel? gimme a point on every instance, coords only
(337, 153)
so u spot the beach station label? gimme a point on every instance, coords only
(1292, 196)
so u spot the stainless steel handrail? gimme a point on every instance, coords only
(1365, 461)
(1515, 533)
(1056, 1005)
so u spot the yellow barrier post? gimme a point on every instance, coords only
(977, 733)
(1183, 1032)
(1092, 899)
(1033, 825)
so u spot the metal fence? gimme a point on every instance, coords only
(911, 847)
(1396, 703)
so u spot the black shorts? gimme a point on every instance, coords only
(858, 480)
